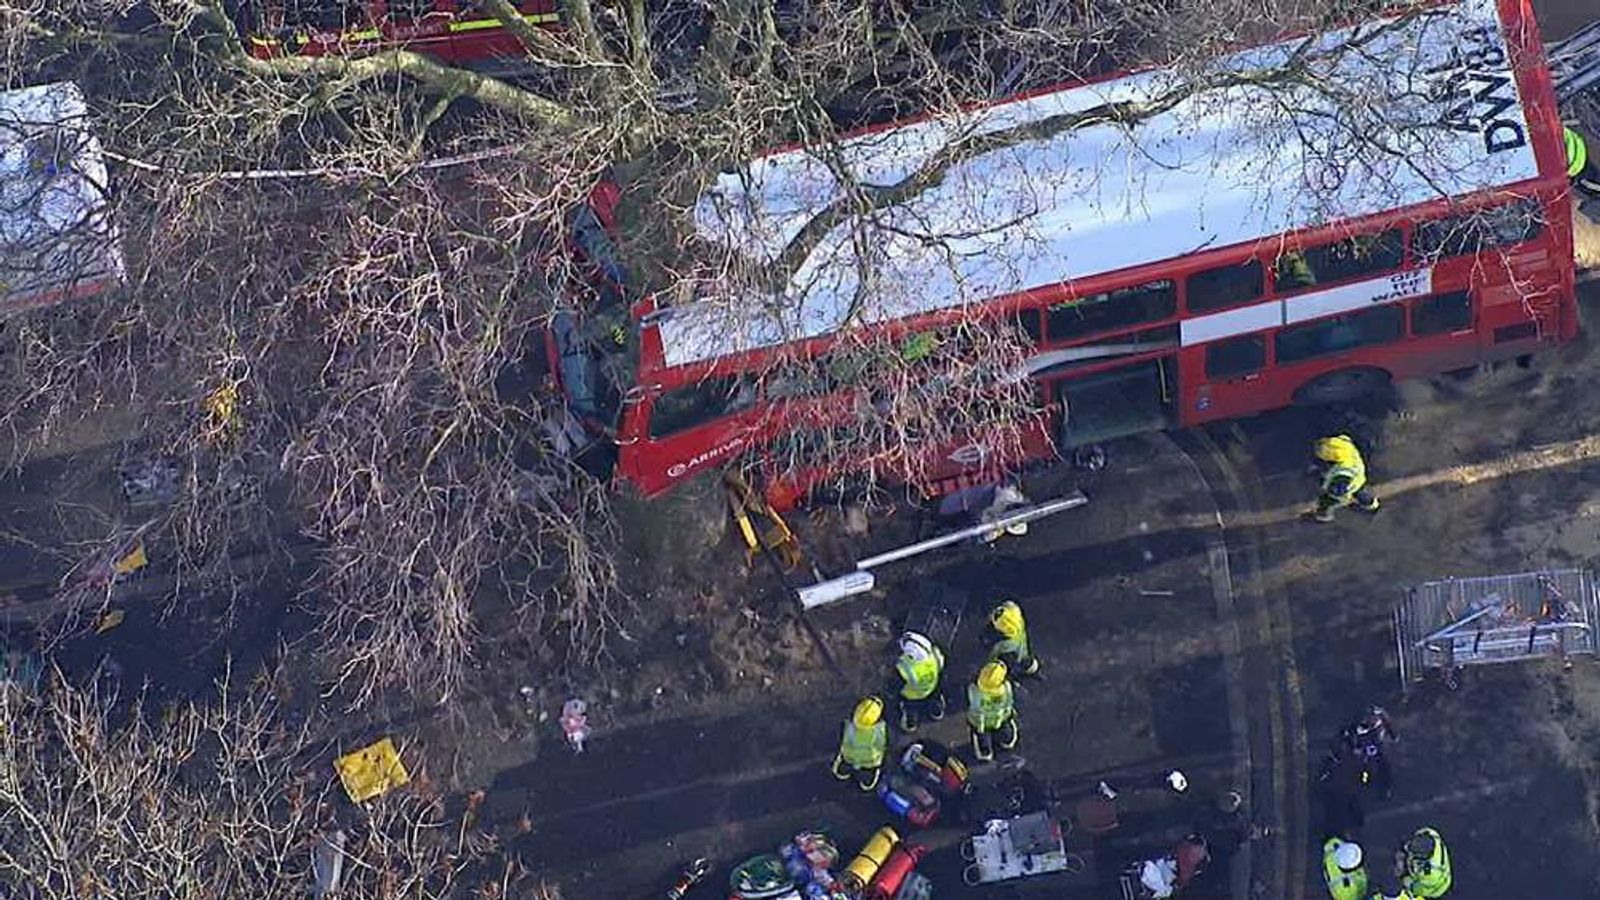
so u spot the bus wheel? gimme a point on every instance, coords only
(1341, 386)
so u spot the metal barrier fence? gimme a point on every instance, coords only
(1447, 625)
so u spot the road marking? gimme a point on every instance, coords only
(1517, 785)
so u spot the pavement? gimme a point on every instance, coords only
(1120, 601)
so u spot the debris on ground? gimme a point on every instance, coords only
(109, 620)
(575, 723)
(327, 864)
(372, 771)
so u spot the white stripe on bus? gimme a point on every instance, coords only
(1233, 322)
(1305, 307)
(1362, 294)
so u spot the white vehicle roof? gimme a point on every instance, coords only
(1403, 111)
(56, 238)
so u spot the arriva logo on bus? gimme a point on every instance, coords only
(969, 454)
(678, 470)
(1477, 90)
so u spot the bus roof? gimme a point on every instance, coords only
(56, 238)
(1396, 112)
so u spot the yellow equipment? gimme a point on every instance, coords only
(1007, 619)
(372, 771)
(132, 562)
(992, 677)
(866, 864)
(868, 712)
(772, 534)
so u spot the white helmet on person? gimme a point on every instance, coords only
(1347, 856)
(917, 646)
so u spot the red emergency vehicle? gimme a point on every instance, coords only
(456, 31)
(1403, 213)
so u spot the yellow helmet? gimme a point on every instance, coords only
(868, 712)
(1331, 449)
(992, 677)
(1007, 619)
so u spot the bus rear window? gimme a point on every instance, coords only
(1378, 325)
(1109, 311)
(1223, 287)
(1441, 313)
(1474, 232)
(697, 404)
(1366, 254)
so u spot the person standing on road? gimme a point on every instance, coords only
(991, 711)
(1364, 741)
(862, 748)
(920, 666)
(1012, 648)
(1343, 869)
(1424, 864)
(1344, 478)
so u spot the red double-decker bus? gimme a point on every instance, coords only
(456, 31)
(1401, 212)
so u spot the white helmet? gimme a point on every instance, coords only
(915, 645)
(1177, 782)
(1347, 856)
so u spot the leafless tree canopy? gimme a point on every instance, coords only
(196, 801)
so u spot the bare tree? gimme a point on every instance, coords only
(222, 799)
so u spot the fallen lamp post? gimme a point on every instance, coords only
(862, 580)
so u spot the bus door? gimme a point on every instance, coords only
(1116, 403)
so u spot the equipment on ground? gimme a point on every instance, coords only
(892, 875)
(763, 529)
(762, 877)
(937, 612)
(1458, 622)
(372, 771)
(1167, 875)
(932, 765)
(802, 867)
(909, 800)
(692, 874)
(864, 867)
(1019, 847)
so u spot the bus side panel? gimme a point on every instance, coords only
(1232, 398)
(656, 464)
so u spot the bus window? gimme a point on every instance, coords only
(1236, 357)
(326, 15)
(1120, 308)
(1498, 226)
(696, 404)
(1366, 254)
(1442, 313)
(1030, 322)
(1224, 286)
(1340, 334)
(801, 378)
(409, 10)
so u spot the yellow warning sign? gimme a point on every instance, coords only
(371, 771)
